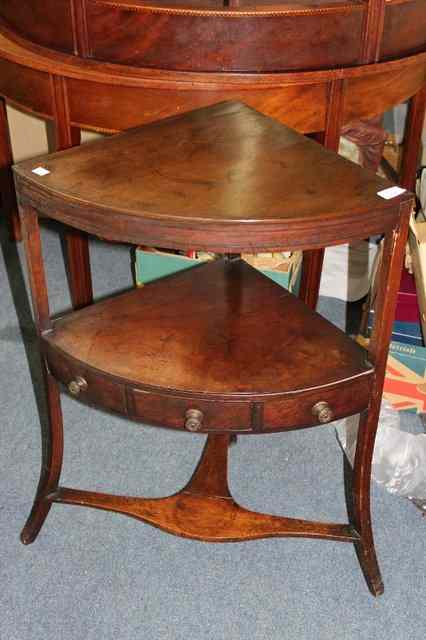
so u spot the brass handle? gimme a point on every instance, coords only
(77, 385)
(322, 411)
(194, 419)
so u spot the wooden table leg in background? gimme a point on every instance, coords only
(77, 251)
(413, 140)
(7, 190)
(76, 242)
(330, 137)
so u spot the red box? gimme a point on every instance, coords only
(407, 308)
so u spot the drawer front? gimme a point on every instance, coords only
(294, 411)
(172, 411)
(312, 408)
(99, 389)
(224, 44)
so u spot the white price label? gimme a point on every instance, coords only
(41, 171)
(391, 192)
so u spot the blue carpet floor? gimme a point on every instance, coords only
(93, 575)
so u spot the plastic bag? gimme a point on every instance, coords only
(399, 458)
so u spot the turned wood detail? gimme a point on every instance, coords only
(370, 137)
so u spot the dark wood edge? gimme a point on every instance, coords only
(32, 112)
(20, 51)
(220, 237)
(48, 347)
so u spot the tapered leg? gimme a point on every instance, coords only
(51, 463)
(51, 423)
(385, 303)
(7, 190)
(358, 497)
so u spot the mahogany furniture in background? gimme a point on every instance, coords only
(219, 349)
(315, 65)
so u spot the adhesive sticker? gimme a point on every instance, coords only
(391, 192)
(41, 171)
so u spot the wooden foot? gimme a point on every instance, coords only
(205, 509)
(357, 485)
(38, 515)
(369, 566)
(52, 452)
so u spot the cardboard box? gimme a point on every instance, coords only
(407, 308)
(406, 332)
(152, 264)
(417, 242)
(282, 268)
(405, 381)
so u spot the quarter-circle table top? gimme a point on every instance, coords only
(221, 178)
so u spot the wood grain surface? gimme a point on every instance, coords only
(190, 181)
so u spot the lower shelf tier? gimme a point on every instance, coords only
(216, 348)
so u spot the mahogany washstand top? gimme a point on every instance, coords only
(241, 181)
(220, 348)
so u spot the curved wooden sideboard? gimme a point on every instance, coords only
(224, 35)
(108, 65)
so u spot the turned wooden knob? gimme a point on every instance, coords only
(194, 419)
(77, 385)
(322, 411)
